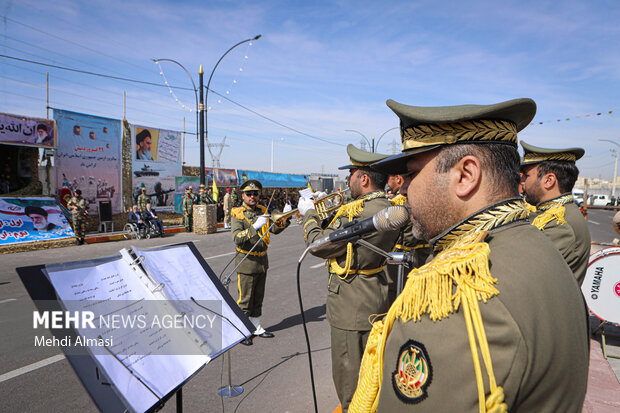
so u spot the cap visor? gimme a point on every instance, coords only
(397, 164)
(348, 167)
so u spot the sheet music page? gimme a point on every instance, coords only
(158, 356)
(184, 277)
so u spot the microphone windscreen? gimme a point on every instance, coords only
(391, 218)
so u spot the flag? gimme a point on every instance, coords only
(216, 192)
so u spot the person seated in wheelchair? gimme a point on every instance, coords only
(136, 218)
(152, 218)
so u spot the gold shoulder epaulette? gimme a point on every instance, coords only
(556, 212)
(237, 212)
(399, 200)
(262, 208)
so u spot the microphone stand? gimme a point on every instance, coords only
(230, 390)
(402, 259)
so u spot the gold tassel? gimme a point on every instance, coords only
(556, 212)
(351, 210)
(457, 276)
(399, 200)
(530, 208)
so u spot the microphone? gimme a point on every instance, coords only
(388, 219)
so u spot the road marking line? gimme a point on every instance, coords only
(594, 222)
(8, 300)
(318, 265)
(221, 255)
(31, 367)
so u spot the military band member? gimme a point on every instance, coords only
(495, 322)
(548, 177)
(249, 222)
(79, 211)
(406, 242)
(187, 206)
(357, 285)
(143, 199)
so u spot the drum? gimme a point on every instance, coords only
(601, 286)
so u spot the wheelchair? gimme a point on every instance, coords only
(131, 231)
(153, 230)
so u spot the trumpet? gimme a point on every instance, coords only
(323, 207)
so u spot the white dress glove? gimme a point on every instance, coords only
(318, 195)
(304, 205)
(260, 222)
(287, 207)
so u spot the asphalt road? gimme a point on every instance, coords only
(600, 225)
(273, 372)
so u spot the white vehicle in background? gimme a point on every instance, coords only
(601, 200)
(578, 196)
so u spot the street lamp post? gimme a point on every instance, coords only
(202, 169)
(383, 134)
(372, 145)
(613, 189)
(362, 135)
(198, 105)
(272, 140)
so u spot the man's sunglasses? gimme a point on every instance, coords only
(251, 193)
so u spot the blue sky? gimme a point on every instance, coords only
(321, 68)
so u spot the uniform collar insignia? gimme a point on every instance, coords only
(493, 216)
(373, 195)
(561, 200)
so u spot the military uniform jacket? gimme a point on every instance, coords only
(245, 236)
(352, 300)
(81, 204)
(535, 327)
(142, 201)
(187, 204)
(568, 231)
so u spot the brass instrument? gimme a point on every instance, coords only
(323, 207)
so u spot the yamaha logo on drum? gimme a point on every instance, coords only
(596, 282)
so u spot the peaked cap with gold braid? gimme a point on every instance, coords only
(533, 154)
(425, 128)
(359, 158)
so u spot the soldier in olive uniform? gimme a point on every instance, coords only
(143, 199)
(249, 222)
(358, 286)
(495, 321)
(79, 211)
(203, 197)
(548, 177)
(419, 249)
(187, 206)
(234, 196)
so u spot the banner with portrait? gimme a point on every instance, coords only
(223, 177)
(156, 161)
(32, 219)
(25, 131)
(89, 157)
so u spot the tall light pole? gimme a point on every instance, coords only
(202, 169)
(273, 140)
(613, 189)
(383, 134)
(372, 145)
(198, 107)
(361, 134)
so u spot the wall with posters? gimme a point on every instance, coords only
(89, 157)
(31, 219)
(24, 131)
(156, 161)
